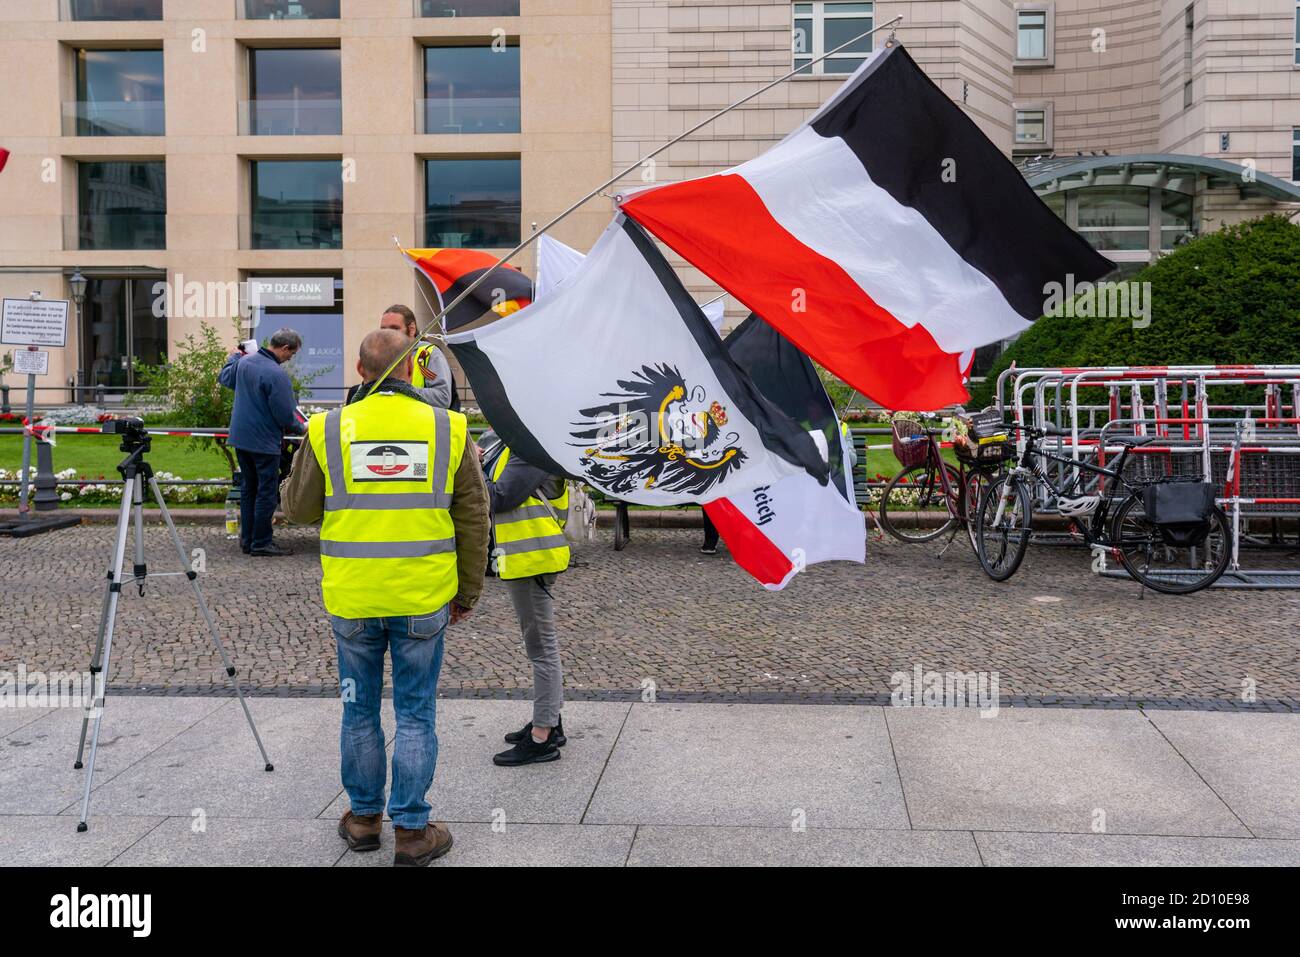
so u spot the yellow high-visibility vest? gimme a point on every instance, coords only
(387, 542)
(421, 358)
(528, 540)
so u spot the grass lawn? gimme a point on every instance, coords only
(94, 456)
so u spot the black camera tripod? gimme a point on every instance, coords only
(135, 472)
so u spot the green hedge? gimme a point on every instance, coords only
(1232, 296)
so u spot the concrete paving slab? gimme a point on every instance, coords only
(1049, 770)
(519, 845)
(659, 846)
(11, 719)
(157, 787)
(36, 759)
(1251, 760)
(1012, 849)
(235, 842)
(469, 787)
(760, 765)
(30, 840)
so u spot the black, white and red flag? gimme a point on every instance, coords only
(885, 237)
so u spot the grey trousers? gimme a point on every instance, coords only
(536, 613)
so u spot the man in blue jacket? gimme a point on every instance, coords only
(264, 411)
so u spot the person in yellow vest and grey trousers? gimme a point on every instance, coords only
(403, 544)
(529, 551)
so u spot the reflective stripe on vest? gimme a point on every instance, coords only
(529, 540)
(388, 544)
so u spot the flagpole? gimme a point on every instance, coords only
(439, 317)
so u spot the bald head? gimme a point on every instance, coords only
(379, 350)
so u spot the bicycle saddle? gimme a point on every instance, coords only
(1132, 441)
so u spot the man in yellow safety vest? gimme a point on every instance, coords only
(529, 507)
(396, 485)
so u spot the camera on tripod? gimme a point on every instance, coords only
(131, 428)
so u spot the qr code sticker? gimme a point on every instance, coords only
(421, 470)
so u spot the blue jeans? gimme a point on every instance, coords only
(416, 644)
(259, 492)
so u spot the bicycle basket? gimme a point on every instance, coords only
(1180, 510)
(910, 442)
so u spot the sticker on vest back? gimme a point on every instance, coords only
(390, 461)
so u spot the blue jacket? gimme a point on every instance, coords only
(264, 402)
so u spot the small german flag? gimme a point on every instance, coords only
(451, 271)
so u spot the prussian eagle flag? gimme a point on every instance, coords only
(451, 271)
(884, 237)
(774, 531)
(616, 378)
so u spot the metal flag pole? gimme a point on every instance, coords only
(438, 317)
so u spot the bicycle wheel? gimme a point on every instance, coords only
(914, 507)
(1002, 540)
(1171, 569)
(972, 493)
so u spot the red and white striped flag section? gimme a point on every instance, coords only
(884, 237)
(617, 378)
(776, 531)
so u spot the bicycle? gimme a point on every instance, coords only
(1005, 514)
(910, 504)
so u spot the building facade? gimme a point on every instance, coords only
(184, 147)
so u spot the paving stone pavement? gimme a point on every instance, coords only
(180, 782)
(695, 626)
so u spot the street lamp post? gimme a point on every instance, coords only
(77, 284)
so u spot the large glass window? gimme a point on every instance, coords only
(1175, 218)
(294, 92)
(1031, 127)
(472, 203)
(467, 8)
(122, 205)
(471, 89)
(290, 9)
(1297, 32)
(1115, 217)
(119, 93)
(119, 328)
(823, 26)
(1295, 155)
(297, 204)
(1031, 34)
(111, 9)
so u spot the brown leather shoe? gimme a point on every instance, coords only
(418, 848)
(361, 831)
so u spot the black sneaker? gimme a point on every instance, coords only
(708, 549)
(557, 737)
(271, 551)
(528, 751)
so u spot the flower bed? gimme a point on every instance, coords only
(90, 491)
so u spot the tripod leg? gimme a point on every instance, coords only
(207, 616)
(140, 571)
(106, 632)
(96, 665)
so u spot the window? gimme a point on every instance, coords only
(1295, 155)
(1189, 49)
(471, 203)
(471, 89)
(467, 8)
(1031, 35)
(1297, 33)
(1034, 28)
(1031, 127)
(290, 9)
(121, 205)
(823, 26)
(118, 327)
(297, 204)
(119, 93)
(321, 358)
(1115, 217)
(111, 9)
(1175, 218)
(294, 92)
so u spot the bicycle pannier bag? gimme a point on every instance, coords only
(1181, 511)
